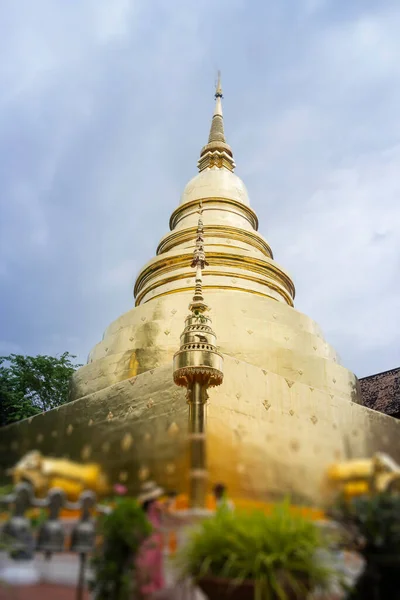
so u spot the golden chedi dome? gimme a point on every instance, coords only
(286, 408)
(218, 182)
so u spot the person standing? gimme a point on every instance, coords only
(219, 492)
(149, 562)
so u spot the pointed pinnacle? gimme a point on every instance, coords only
(217, 153)
(218, 89)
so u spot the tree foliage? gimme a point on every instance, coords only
(33, 384)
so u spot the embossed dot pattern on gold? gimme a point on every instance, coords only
(126, 442)
(105, 447)
(144, 473)
(86, 452)
(173, 429)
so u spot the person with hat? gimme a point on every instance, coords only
(149, 563)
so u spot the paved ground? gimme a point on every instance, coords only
(58, 579)
(43, 591)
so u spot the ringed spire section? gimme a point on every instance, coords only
(197, 367)
(198, 359)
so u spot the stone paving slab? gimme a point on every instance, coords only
(43, 591)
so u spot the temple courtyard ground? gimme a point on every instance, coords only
(43, 591)
(57, 580)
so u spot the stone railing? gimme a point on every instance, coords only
(53, 534)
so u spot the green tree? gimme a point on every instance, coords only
(33, 384)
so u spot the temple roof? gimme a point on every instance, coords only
(382, 392)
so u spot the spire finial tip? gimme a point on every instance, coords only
(218, 89)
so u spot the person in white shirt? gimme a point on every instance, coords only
(221, 499)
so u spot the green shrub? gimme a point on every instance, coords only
(113, 563)
(373, 527)
(5, 490)
(277, 552)
(377, 521)
(39, 518)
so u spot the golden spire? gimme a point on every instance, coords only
(198, 366)
(217, 153)
(217, 133)
(198, 263)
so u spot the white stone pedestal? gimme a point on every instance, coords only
(22, 572)
(181, 523)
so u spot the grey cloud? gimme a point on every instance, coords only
(104, 108)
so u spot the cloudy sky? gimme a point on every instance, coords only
(104, 106)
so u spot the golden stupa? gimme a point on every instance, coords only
(286, 408)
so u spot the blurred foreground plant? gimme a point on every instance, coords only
(372, 524)
(274, 555)
(113, 563)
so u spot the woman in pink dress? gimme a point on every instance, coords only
(149, 562)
